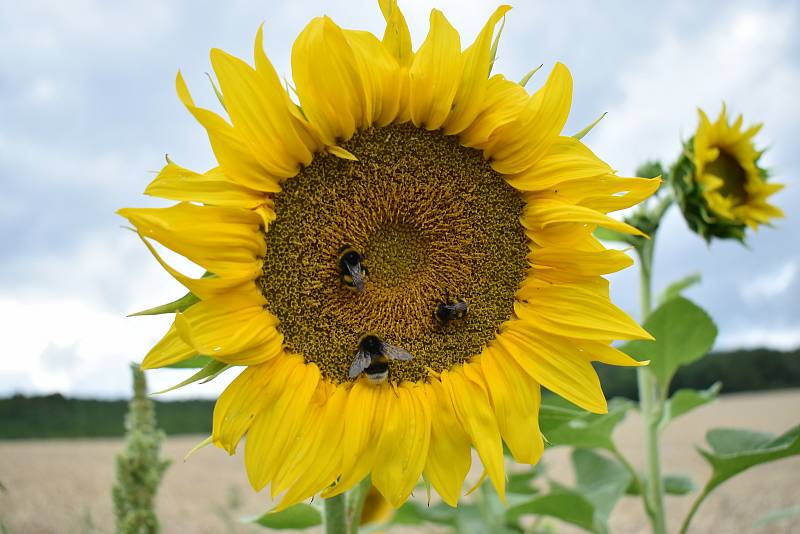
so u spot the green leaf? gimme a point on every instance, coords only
(564, 424)
(684, 401)
(414, 513)
(171, 307)
(736, 450)
(676, 288)
(606, 234)
(683, 333)
(208, 373)
(195, 362)
(521, 482)
(678, 484)
(777, 515)
(295, 517)
(561, 503)
(600, 480)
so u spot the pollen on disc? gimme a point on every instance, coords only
(428, 216)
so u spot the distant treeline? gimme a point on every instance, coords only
(738, 370)
(54, 416)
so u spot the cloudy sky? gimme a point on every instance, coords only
(88, 110)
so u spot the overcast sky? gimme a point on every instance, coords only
(88, 110)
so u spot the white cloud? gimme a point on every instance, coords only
(769, 284)
(745, 57)
(778, 338)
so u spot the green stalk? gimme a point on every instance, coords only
(651, 399)
(335, 519)
(693, 510)
(355, 504)
(650, 405)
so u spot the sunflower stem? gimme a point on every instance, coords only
(651, 400)
(334, 513)
(355, 504)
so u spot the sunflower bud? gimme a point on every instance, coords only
(718, 182)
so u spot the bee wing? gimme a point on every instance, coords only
(357, 273)
(395, 353)
(360, 362)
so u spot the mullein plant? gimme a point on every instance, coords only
(140, 467)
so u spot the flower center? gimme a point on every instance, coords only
(732, 174)
(427, 216)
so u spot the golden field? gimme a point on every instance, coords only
(63, 486)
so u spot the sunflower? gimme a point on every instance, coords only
(718, 182)
(444, 189)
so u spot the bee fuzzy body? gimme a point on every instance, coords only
(372, 359)
(352, 271)
(450, 310)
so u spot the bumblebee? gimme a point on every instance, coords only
(450, 309)
(372, 358)
(352, 271)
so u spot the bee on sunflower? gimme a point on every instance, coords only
(438, 177)
(718, 182)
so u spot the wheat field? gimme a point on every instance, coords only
(63, 486)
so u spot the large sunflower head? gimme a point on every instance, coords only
(399, 255)
(719, 184)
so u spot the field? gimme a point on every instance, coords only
(63, 486)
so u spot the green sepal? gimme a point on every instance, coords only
(195, 362)
(208, 373)
(175, 306)
(580, 135)
(525, 79)
(696, 212)
(217, 92)
(495, 44)
(295, 517)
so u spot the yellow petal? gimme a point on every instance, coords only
(233, 155)
(471, 93)
(234, 329)
(328, 81)
(435, 73)
(517, 145)
(381, 76)
(602, 351)
(541, 214)
(396, 37)
(601, 193)
(274, 429)
(585, 263)
(239, 404)
(257, 111)
(516, 399)
(567, 159)
(577, 313)
(475, 414)
(403, 445)
(318, 469)
(364, 417)
(504, 100)
(554, 364)
(220, 239)
(170, 349)
(211, 286)
(213, 187)
(449, 456)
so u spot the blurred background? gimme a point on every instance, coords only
(88, 111)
